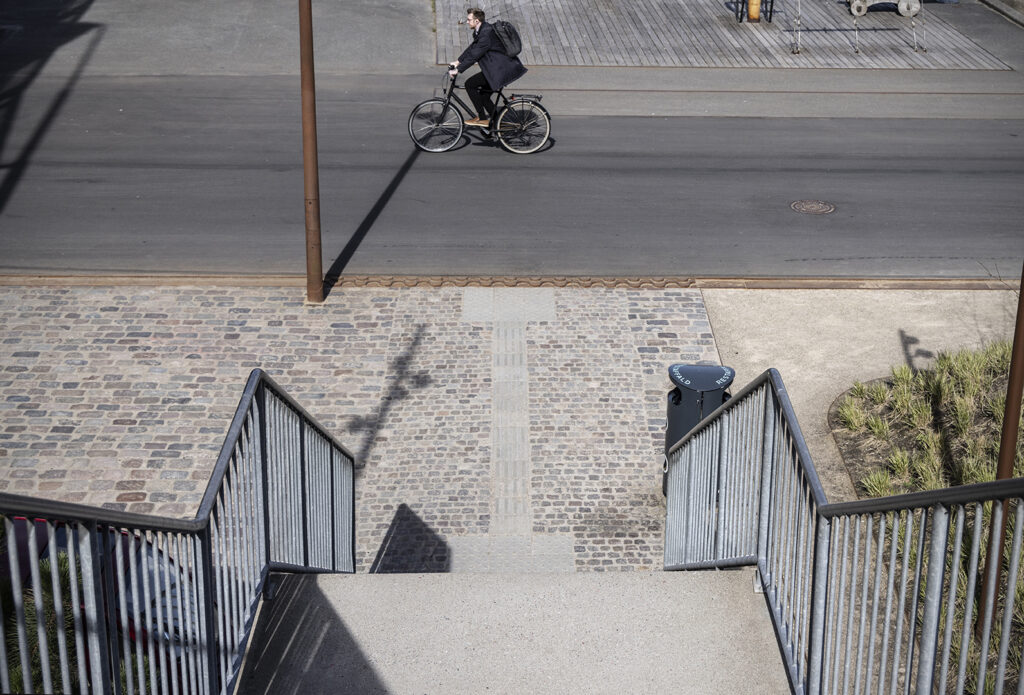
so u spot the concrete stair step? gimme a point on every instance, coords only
(680, 632)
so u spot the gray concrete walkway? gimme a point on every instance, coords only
(699, 633)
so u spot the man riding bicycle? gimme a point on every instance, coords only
(496, 68)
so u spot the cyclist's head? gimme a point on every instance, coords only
(475, 13)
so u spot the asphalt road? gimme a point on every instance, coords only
(204, 175)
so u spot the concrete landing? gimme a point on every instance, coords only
(682, 632)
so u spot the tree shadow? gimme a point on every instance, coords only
(301, 645)
(31, 32)
(402, 381)
(411, 546)
(338, 266)
(911, 353)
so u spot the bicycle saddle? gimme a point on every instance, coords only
(701, 377)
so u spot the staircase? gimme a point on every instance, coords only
(587, 632)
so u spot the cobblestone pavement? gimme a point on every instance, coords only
(121, 397)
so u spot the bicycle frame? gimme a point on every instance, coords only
(501, 102)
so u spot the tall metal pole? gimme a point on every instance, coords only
(310, 165)
(1008, 441)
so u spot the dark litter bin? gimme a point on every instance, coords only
(699, 389)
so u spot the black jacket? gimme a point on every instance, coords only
(498, 69)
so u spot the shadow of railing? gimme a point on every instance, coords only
(411, 546)
(31, 32)
(300, 643)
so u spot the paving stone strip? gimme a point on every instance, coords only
(121, 397)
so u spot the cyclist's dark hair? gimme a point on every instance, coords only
(476, 12)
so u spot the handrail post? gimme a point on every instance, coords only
(767, 465)
(261, 404)
(819, 604)
(933, 598)
(205, 538)
(92, 557)
(107, 577)
(306, 530)
(723, 462)
(334, 514)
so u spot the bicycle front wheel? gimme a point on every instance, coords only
(523, 126)
(435, 126)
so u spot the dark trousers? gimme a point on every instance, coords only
(480, 94)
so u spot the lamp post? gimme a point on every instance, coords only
(310, 165)
(1007, 452)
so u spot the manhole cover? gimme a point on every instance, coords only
(813, 207)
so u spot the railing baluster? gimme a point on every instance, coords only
(819, 598)
(832, 566)
(954, 576)
(889, 588)
(1011, 588)
(95, 624)
(5, 676)
(995, 567)
(841, 597)
(912, 632)
(120, 562)
(868, 537)
(37, 601)
(767, 475)
(933, 598)
(74, 565)
(901, 604)
(157, 605)
(972, 576)
(853, 593)
(876, 589)
(18, 595)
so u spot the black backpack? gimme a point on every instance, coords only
(509, 37)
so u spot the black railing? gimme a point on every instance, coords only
(110, 602)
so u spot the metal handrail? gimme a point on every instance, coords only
(746, 468)
(169, 603)
(256, 378)
(772, 377)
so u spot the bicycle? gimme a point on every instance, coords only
(520, 124)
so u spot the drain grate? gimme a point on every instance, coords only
(813, 207)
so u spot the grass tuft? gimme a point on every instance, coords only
(878, 393)
(851, 415)
(879, 427)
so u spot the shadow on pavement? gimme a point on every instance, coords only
(300, 645)
(411, 546)
(31, 32)
(338, 266)
(402, 380)
(911, 353)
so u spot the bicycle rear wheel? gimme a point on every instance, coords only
(435, 127)
(523, 126)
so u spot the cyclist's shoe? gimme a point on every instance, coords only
(479, 122)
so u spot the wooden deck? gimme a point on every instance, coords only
(705, 33)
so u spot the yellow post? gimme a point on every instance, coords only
(753, 10)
